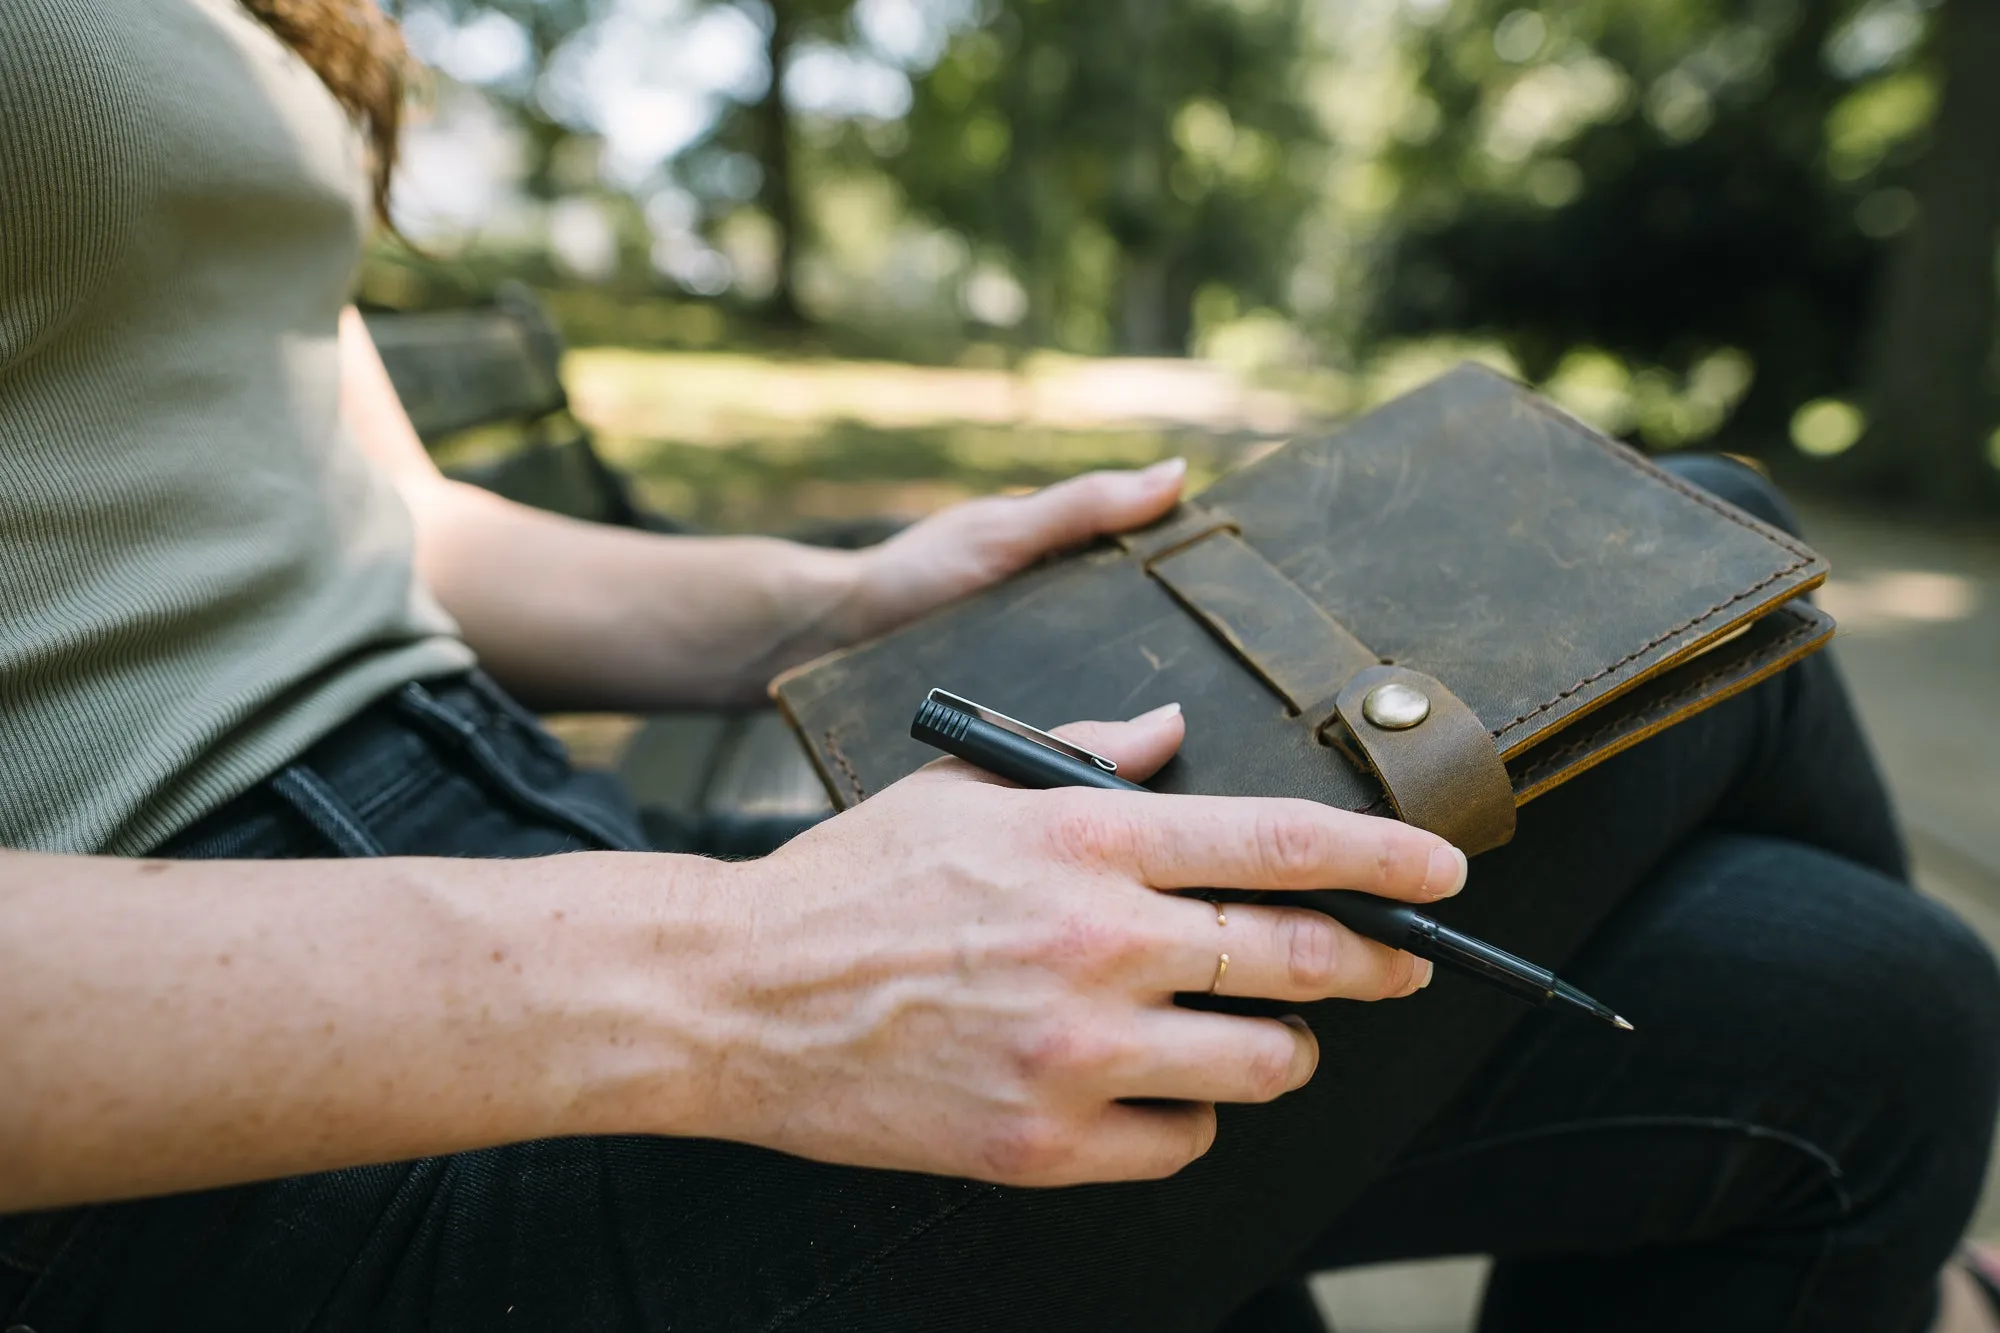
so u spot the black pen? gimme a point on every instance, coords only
(1011, 749)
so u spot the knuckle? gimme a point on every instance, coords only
(1029, 1149)
(1268, 1073)
(1092, 832)
(1293, 846)
(1061, 1052)
(1187, 1138)
(1200, 1136)
(1204, 1132)
(1083, 944)
(998, 521)
(1398, 977)
(1398, 859)
(1312, 952)
(1049, 1052)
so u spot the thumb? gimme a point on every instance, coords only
(1072, 512)
(1139, 747)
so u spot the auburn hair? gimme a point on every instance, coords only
(359, 55)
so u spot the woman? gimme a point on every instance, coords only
(342, 1075)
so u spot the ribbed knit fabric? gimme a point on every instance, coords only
(199, 573)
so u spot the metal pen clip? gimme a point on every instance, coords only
(1022, 729)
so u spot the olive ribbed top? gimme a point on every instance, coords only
(199, 573)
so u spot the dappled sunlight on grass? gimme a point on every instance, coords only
(746, 443)
(738, 441)
(718, 398)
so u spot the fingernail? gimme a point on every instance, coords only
(1426, 969)
(1160, 714)
(1306, 1062)
(1445, 875)
(1172, 467)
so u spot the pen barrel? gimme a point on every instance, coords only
(1497, 967)
(1005, 754)
(1034, 764)
(1401, 926)
(1383, 920)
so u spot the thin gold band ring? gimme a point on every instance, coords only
(1221, 959)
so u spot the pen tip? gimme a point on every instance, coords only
(1621, 1023)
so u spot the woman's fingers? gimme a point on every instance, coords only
(1282, 953)
(1205, 1057)
(1123, 1141)
(1218, 842)
(1017, 530)
(1139, 747)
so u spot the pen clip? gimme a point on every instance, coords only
(1021, 729)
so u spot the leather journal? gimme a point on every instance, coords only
(1439, 612)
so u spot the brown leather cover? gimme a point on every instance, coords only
(1564, 597)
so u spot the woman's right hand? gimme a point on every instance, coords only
(966, 978)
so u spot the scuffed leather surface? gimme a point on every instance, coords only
(1296, 648)
(1469, 530)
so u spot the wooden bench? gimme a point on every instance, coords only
(725, 783)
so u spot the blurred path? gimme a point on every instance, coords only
(1919, 613)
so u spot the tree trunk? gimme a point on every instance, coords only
(1145, 317)
(1930, 382)
(771, 128)
(1142, 319)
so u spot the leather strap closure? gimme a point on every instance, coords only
(1442, 773)
(1189, 523)
(1300, 651)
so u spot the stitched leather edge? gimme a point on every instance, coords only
(1611, 449)
(1553, 762)
(846, 766)
(1641, 651)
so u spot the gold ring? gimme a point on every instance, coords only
(1221, 915)
(1221, 971)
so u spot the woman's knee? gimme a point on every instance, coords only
(1848, 975)
(1738, 483)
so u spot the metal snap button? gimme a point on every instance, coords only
(1396, 707)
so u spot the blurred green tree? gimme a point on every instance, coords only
(1117, 157)
(1934, 432)
(1666, 179)
(767, 129)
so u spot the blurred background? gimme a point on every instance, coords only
(1760, 225)
(821, 260)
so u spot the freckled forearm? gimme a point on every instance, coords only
(181, 1025)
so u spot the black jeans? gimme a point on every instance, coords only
(1791, 1140)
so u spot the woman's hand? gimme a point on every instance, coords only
(970, 979)
(971, 545)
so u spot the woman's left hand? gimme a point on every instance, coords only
(969, 546)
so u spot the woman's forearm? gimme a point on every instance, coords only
(573, 615)
(181, 1025)
(577, 615)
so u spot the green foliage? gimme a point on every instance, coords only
(1678, 215)
(1662, 179)
(1116, 157)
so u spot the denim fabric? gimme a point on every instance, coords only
(1792, 1139)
